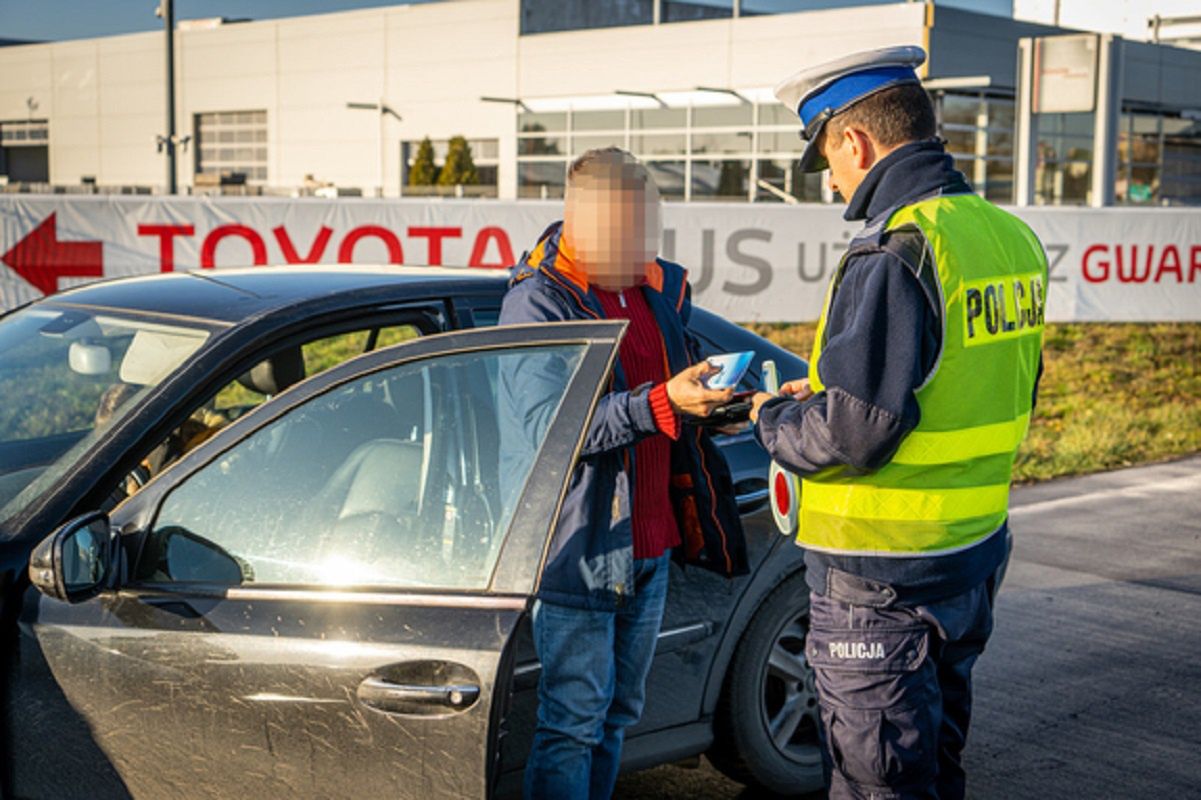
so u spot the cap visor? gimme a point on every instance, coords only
(812, 159)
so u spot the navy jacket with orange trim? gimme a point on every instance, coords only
(591, 559)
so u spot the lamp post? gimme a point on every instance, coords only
(382, 108)
(166, 10)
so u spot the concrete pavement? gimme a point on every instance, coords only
(1091, 686)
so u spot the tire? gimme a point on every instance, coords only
(763, 695)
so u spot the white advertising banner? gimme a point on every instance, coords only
(755, 262)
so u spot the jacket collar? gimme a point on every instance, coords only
(907, 174)
(553, 258)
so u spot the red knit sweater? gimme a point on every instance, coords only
(644, 360)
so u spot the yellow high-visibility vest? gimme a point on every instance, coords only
(947, 487)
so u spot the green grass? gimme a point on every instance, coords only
(1112, 395)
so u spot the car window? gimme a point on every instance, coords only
(393, 479)
(67, 376)
(269, 377)
(485, 317)
(317, 356)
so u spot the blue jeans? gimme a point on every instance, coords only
(593, 687)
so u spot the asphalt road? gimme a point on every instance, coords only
(1091, 685)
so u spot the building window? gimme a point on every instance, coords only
(677, 11)
(756, 8)
(1159, 159)
(781, 178)
(485, 155)
(1181, 182)
(582, 144)
(658, 118)
(653, 145)
(724, 116)
(25, 150)
(548, 16)
(24, 132)
(598, 121)
(732, 142)
(1064, 169)
(537, 123)
(231, 148)
(542, 146)
(726, 180)
(670, 176)
(542, 180)
(979, 131)
(709, 152)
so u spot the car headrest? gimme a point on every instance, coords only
(273, 375)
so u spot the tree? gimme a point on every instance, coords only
(536, 147)
(459, 168)
(423, 172)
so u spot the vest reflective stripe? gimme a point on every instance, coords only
(865, 501)
(947, 487)
(948, 447)
(898, 538)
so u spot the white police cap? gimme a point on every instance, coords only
(817, 93)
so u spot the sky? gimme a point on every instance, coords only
(49, 20)
(52, 20)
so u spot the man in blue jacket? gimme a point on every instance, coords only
(601, 597)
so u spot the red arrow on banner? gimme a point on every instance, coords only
(42, 259)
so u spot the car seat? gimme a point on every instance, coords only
(368, 510)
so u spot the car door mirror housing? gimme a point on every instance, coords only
(74, 562)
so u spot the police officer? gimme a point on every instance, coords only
(921, 384)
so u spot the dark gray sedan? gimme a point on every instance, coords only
(281, 561)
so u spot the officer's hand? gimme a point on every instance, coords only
(689, 396)
(757, 403)
(798, 390)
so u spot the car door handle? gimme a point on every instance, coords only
(416, 699)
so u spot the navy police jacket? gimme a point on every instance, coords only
(591, 557)
(883, 335)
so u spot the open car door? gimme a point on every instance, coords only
(320, 600)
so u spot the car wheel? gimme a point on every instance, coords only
(766, 727)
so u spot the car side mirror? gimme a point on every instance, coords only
(73, 563)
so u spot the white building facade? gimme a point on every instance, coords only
(336, 103)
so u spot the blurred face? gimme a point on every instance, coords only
(613, 226)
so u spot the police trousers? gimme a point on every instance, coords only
(894, 685)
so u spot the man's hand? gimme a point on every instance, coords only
(797, 390)
(689, 396)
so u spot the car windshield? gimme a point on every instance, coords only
(67, 375)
